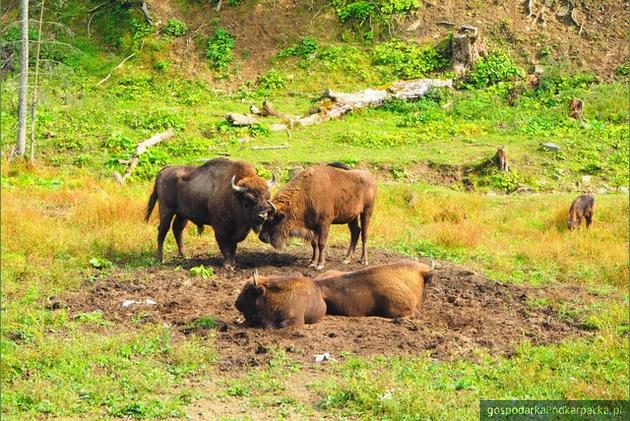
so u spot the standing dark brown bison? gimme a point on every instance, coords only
(227, 195)
(314, 199)
(582, 207)
(281, 301)
(392, 290)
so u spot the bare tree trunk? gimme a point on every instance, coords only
(20, 147)
(36, 87)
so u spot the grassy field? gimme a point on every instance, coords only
(66, 226)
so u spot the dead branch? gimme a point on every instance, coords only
(194, 33)
(530, 10)
(219, 4)
(335, 104)
(114, 69)
(95, 8)
(140, 149)
(261, 148)
(145, 11)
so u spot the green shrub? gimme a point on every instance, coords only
(272, 80)
(152, 120)
(303, 49)
(219, 51)
(494, 68)
(407, 60)
(175, 27)
(162, 65)
(364, 14)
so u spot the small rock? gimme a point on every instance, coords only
(550, 147)
(322, 357)
(539, 68)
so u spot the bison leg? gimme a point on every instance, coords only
(354, 238)
(589, 219)
(313, 262)
(178, 228)
(365, 222)
(322, 237)
(166, 215)
(228, 249)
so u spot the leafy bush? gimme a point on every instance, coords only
(161, 65)
(494, 68)
(152, 120)
(219, 50)
(202, 271)
(372, 14)
(303, 49)
(407, 60)
(175, 27)
(272, 80)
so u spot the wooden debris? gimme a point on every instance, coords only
(241, 120)
(140, 149)
(576, 107)
(466, 47)
(114, 69)
(261, 148)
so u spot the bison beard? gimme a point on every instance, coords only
(227, 195)
(315, 199)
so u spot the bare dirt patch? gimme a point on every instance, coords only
(463, 311)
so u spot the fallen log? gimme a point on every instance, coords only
(335, 104)
(140, 149)
(261, 148)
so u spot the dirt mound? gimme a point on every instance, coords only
(463, 311)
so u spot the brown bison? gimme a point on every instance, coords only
(227, 195)
(281, 301)
(314, 199)
(582, 207)
(392, 290)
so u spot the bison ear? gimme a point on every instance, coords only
(260, 290)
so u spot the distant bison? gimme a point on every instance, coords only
(393, 290)
(281, 301)
(227, 195)
(314, 199)
(582, 207)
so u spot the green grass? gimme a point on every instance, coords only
(66, 222)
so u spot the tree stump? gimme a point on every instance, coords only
(466, 48)
(576, 107)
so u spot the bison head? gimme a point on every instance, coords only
(247, 301)
(253, 193)
(275, 230)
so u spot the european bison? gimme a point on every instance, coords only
(393, 290)
(227, 195)
(314, 199)
(582, 207)
(281, 301)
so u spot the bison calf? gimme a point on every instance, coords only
(281, 301)
(392, 290)
(582, 207)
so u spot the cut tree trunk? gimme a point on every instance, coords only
(140, 149)
(466, 48)
(335, 104)
(577, 106)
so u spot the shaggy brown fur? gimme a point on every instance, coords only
(582, 207)
(392, 290)
(315, 199)
(501, 159)
(281, 301)
(205, 196)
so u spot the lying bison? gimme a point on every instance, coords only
(316, 198)
(392, 291)
(227, 195)
(582, 207)
(281, 301)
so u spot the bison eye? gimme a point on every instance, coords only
(250, 197)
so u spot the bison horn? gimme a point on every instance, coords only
(240, 189)
(432, 263)
(275, 209)
(272, 182)
(256, 277)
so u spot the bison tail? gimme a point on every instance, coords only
(152, 199)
